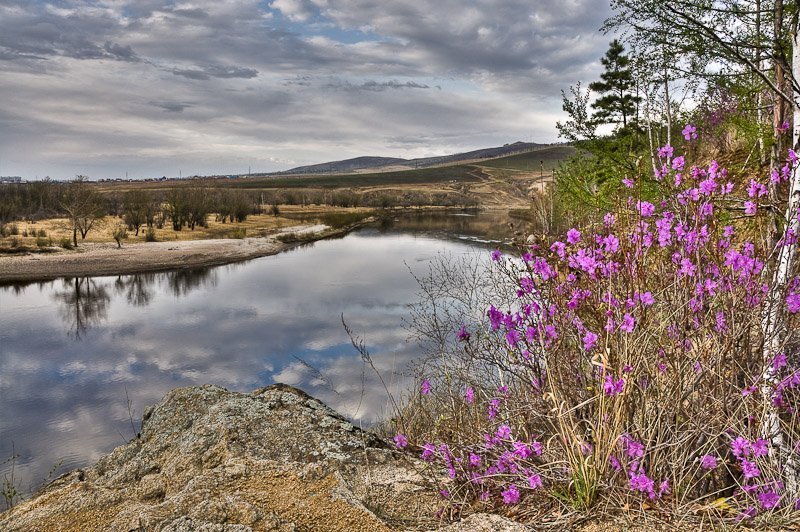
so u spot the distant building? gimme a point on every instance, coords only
(10, 179)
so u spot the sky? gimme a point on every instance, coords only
(145, 88)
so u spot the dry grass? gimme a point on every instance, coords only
(255, 225)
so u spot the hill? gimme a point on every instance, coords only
(394, 164)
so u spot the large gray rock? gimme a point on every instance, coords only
(216, 461)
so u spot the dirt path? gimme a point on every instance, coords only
(107, 259)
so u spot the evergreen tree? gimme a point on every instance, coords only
(616, 103)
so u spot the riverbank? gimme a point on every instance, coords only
(96, 259)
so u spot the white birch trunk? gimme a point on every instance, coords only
(773, 318)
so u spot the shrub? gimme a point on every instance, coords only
(150, 235)
(631, 360)
(41, 233)
(119, 234)
(239, 232)
(43, 242)
(66, 243)
(12, 229)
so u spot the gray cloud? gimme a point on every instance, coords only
(172, 107)
(292, 80)
(375, 86)
(216, 71)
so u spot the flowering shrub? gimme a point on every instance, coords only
(630, 360)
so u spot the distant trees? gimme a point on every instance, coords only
(84, 207)
(138, 208)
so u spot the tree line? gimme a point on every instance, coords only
(84, 204)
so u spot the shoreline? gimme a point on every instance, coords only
(96, 260)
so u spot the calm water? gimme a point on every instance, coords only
(81, 358)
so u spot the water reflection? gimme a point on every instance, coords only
(241, 326)
(82, 303)
(136, 288)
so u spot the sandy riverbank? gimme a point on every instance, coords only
(107, 259)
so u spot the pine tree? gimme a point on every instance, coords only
(616, 103)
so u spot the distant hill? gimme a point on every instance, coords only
(360, 164)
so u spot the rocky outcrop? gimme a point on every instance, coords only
(212, 460)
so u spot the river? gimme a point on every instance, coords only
(81, 358)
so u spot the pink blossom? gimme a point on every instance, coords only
(510, 495)
(647, 299)
(768, 499)
(612, 387)
(400, 441)
(793, 302)
(425, 389)
(689, 132)
(589, 340)
(573, 236)
(469, 395)
(708, 461)
(749, 208)
(645, 208)
(628, 323)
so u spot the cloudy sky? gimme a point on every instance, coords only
(151, 88)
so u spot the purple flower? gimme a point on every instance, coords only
(740, 447)
(793, 302)
(589, 340)
(503, 432)
(760, 447)
(643, 483)
(559, 248)
(469, 396)
(463, 333)
(474, 460)
(510, 495)
(522, 449)
(768, 499)
(496, 254)
(400, 441)
(645, 208)
(428, 450)
(678, 162)
(750, 469)
(493, 405)
(534, 481)
(513, 337)
(687, 268)
(633, 449)
(628, 182)
(708, 461)
(612, 387)
(628, 323)
(665, 151)
(647, 299)
(689, 132)
(573, 236)
(749, 208)
(425, 389)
